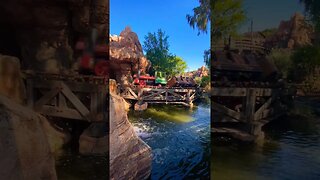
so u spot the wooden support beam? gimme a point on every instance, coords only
(259, 114)
(59, 112)
(46, 98)
(75, 101)
(250, 104)
(239, 92)
(226, 111)
(74, 86)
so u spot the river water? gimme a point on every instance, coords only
(291, 150)
(179, 138)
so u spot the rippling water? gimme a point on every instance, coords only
(179, 138)
(291, 151)
(70, 166)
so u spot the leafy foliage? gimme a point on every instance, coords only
(304, 62)
(282, 59)
(205, 80)
(156, 46)
(225, 17)
(312, 8)
(200, 17)
(207, 58)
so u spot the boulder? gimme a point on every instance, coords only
(24, 149)
(130, 157)
(11, 80)
(94, 139)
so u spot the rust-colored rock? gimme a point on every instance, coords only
(126, 55)
(130, 157)
(292, 34)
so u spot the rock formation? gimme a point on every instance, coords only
(200, 72)
(130, 157)
(291, 34)
(126, 56)
(24, 149)
(43, 33)
(11, 84)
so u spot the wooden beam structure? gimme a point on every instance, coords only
(163, 95)
(68, 97)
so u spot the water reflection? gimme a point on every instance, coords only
(291, 151)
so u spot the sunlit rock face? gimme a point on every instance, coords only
(24, 149)
(292, 34)
(130, 157)
(126, 55)
(43, 33)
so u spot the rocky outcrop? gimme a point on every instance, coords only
(200, 72)
(94, 139)
(292, 34)
(126, 55)
(24, 149)
(11, 84)
(43, 33)
(130, 157)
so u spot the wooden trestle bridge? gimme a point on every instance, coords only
(161, 95)
(77, 97)
(240, 112)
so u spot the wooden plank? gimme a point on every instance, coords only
(259, 113)
(153, 94)
(74, 86)
(239, 92)
(250, 104)
(217, 91)
(93, 103)
(133, 93)
(59, 112)
(75, 101)
(62, 101)
(226, 111)
(47, 97)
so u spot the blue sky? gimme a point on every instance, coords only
(269, 13)
(145, 16)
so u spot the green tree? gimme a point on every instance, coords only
(179, 66)
(156, 46)
(223, 16)
(312, 9)
(282, 59)
(304, 62)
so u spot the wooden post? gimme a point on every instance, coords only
(250, 104)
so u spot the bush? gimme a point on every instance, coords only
(282, 59)
(304, 62)
(205, 81)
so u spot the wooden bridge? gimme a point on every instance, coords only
(161, 95)
(77, 97)
(241, 112)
